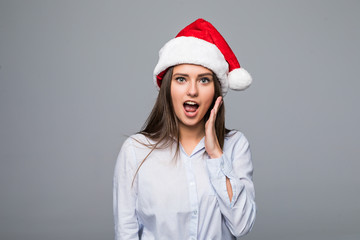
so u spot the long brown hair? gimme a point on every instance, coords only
(162, 125)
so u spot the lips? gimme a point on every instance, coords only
(190, 108)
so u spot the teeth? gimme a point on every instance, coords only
(190, 103)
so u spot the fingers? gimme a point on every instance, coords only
(214, 111)
(212, 146)
(217, 105)
(212, 117)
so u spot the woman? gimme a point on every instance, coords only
(185, 176)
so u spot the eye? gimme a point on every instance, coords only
(180, 79)
(204, 80)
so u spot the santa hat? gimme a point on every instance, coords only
(201, 44)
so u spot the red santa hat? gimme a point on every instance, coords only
(201, 44)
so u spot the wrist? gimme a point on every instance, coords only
(215, 154)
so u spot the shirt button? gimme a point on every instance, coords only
(192, 183)
(195, 212)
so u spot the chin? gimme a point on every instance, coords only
(191, 122)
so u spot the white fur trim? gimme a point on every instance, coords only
(193, 51)
(239, 79)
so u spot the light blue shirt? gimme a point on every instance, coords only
(184, 197)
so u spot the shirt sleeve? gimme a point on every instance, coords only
(125, 194)
(235, 163)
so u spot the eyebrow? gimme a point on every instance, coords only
(187, 75)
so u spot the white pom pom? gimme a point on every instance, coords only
(239, 79)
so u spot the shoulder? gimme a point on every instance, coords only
(235, 136)
(137, 146)
(137, 140)
(132, 151)
(236, 140)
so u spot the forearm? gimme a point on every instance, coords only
(229, 188)
(231, 178)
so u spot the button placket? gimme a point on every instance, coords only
(193, 199)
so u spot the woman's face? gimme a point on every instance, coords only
(192, 93)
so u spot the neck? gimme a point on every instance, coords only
(192, 133)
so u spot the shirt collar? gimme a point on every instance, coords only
(200, 146)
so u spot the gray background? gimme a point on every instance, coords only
(76, 79)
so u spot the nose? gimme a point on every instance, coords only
(192, 89)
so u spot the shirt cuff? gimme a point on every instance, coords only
(218, 167)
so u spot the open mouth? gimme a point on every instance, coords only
(190, 106)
